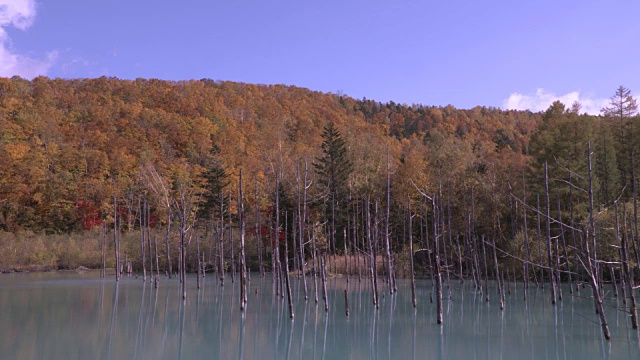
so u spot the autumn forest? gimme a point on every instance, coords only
(159, 176)
(69, 146)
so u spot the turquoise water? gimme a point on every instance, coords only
(80, 316)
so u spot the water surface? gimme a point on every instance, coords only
(80, 316)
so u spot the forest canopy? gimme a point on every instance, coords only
(68, 146)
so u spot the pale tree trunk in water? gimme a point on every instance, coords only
(413, 278)
(243, 264)
(591, 273)
(548, 233)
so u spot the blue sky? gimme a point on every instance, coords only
(509, 54)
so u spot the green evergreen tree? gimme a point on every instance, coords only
(606, 166)
(217, 180)
(333, 169)
(621, 112)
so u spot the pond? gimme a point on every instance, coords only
(68, 315)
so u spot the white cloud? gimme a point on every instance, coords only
(542, 99)
(19, 14)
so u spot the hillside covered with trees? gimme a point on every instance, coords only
(88, 154)
(68, 146)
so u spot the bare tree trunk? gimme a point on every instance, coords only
(566, 254)
(116, 237)
(634, 243)
(302, 213)
(612, 274)
(346, 255)
(356, 242)
(372, 261)
(486, 269)
(558, 277)
(204, 264)
(413, 278)
(221, 240)
(169, 269)
(314, 256)
(183, 253)
(277, 239)
(548, 232)
(155, 241)
(376, 244)
(526, 237)
(103, 242)
(573, 232)
(346, 240)
(182, 206)
(386, 227)
(497, 271)
(258, 231)
(590, 271)
(142, 235)
(540, 260)
(286, 268)
(447, 218)
(626, 271)
(294, 238)
(324, 282)
(148, 229)
(623, 278)
(232, 262)
(332, 238)
(474, 239)
(198, 261)
(179, 259)
(437, 260)
(430, 249)
(243, 260)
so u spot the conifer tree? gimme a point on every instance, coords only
(621, 110)
(333, 168)
(606, 166)
(217, 180)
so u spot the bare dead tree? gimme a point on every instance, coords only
(286, 268)
(548, 233)
(486, 270)
(627, 273)
(103, 254)
(232, 262)
(588, 263)
(372, 258)
(566, 254)
(497, 272)
(221, 241)
(157, 185)
(141, 219)
(147, 213)
(438, 275)
(323, 265)
(116, 238)
(413, 278)
(386, 230)
(278, 268)
(259, 244)
(557, 252)
(539, 235)
(198, 261)
(243, 260)
(314, 259)
(526, 237)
